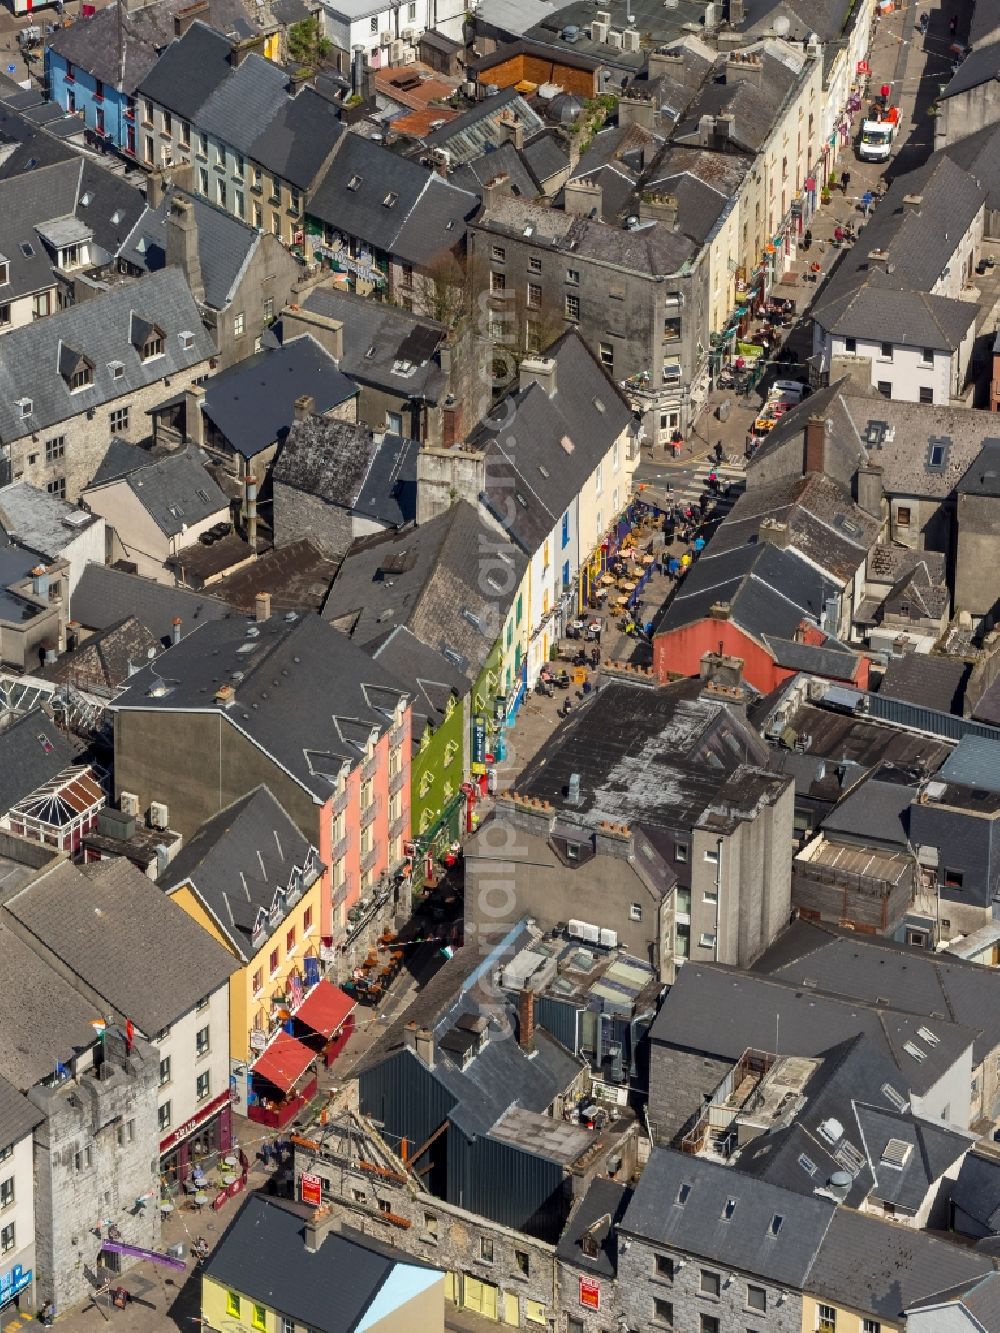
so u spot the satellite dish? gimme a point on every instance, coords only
(782, 25)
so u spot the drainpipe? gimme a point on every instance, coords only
(718, 893)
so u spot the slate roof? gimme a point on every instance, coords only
(703, 183)
(238, 860)
(348, 464)
(976, 1190)
(484, 126)
(752, 102)
(189, 71)
(244, 103)
(429, 579)
(104, 597)
(18, 1116)
(656, 757)
(913, 319)
(263, 1255)
(975, 762)
(421, 222)
(177, 491)
(355, 698)
(597, 1215)
(102, 329)
(426, 675)
(32, 750)
(699, 1014)
(930, 682)
(378, 337)
(51, 1021)
(35, 519)
(252, 404)
(943, 989)
(97, 920)
(870, 1265)
(297, 141)
(875, 811)
(570, 435)
(983, 477)
(980, 66)
(546, 155)
(225, 245)
(107, 658)
(979, 154)
(680, 1202)
(475, 174)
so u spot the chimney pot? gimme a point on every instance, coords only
(262, 607)
(176, 629)
(424, 1039)
(526, 1019)
(305, 406)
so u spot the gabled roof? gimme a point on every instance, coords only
(189, 71)
(298, 140)
(252, 404)
(177, 491)
(710, 1211)
(878, 311)
(244, 103)
(428, 677)
(107, 658)
(39, 521)
(241, 863)
(348, 464)
(429, 579)
(104, 597)
(97, 921)
(597, 1217)
(102, 328)
(484, 126)
(980, 66)
(976, 1190)
(875, 811)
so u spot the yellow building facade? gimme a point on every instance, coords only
(825, 1317)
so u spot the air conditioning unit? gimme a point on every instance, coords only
(409, 34)
(603, 16)
(385, 39)
(609, 938)
(574, 930)
(630, 40)
(409, 56)
(615, 40)
(159, 815)
(598, 32)
(396, 53)
(129, 803)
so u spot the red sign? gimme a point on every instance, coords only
(311, 1190)
(590, 1293)
(206, 1113)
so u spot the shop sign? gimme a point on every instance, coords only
(13, 1283)
(189, 1126)
(311, 1190)
(327, 953)
(479, 744)
(258, 1039)
(590, 1293)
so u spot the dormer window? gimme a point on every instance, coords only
(76, 370)
(146, 338)
(153, 346)
(83, 377)
(4, 271)
(25, 407)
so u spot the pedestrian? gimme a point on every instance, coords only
(48, 1314)
(845, 180)
(953, 25)
(719, 451)
(867, 199)
(838, 235)
(807, 239)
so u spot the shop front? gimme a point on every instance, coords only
(283, 1082)
(207, 1134)
(16, 1294)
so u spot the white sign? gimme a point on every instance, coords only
(327, 953)
(258, 1039)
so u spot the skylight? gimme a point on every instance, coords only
(354, 183)
(777, 1221)
(390, 199)
(683, 1194)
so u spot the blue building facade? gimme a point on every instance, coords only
(108, 113)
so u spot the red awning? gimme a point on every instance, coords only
(325, 1008)
(284, 1062)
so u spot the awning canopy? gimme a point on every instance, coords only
(284, 1062)
(325, 1008)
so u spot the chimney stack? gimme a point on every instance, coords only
(526, 1019)
(581, 198)
(262, 607)
(539, 370)
(175, 632)
(251, 511)
(185, 17)
(774, 533)
(815, 450)
(515, 134)
(194, 421)
(182, 245)
(869, 484)
(40, 582)
(155, 185)
(425, 1046)
(329, 333)
(410, 1035)
(305, 406)
(659, 208)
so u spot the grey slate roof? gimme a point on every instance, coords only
(297, 141)
(51, 1021)
(506, 161)
(701, 1010)
(875, 811)
(177, 491)
(32, 750)
(252, 404)
(427, 578)
(870, 1265)
(225, 245)
(17, 1115)
(976, 1190)
(101, 329)
(98, 920)
(354, 698)
(263, 1255)
(378, 337)
(979, 67)
(35, 519)
(975, 762)
(107, 658)
(238, 860)
(597, 1215)
(983, 477)
(104, 596)
(426, 675)
(932, 682)
(879, 310)
(244, 103)
(189, 71)
(484, 126)
(692, 1222)
(348, 464)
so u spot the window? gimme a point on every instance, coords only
(663, 1312)
(273, 962)
(664, 1266)
(4, 314)
(712, 855)
(55, 448)
(222, 194)
(534, 295)
(57, 486)
(886, 351)
(307, 921)
(885, 388)
(71, 104)
(635, 912)
(99, 119)
(203, 180)
(707, 939)
(203, 1085)
(534, 1312)
(239, 325)
(258, 217)
(903, 516)
(294, 202)
(82, 377)
(258, 981)
(486, 1249)
(373, 25)
(239, 204)
(118, 420)
(599, 479)
(7, 1238)
(290, 940)
(871, 1326)
(165, 1071)
(709, 1283)
(153, 346)
(927, 356)
(269, 307)
(573, 277)
(953, 879)
(411, 11)
(287, 1325)
(574, 1325)
(498, 252)
(6, 1192)
(523, 1261)
(756, 1299)
(184, 133)
(608, 355)
(259, 1319)
(498, 282)
(232, 1304)
(6, 1153)
(926, 394)
(41, 304)
(709, 1324)
(163, 1117)
(534, 264)
(201, 1041)
(826, 1319)
(850, 346)
(431, 1226)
